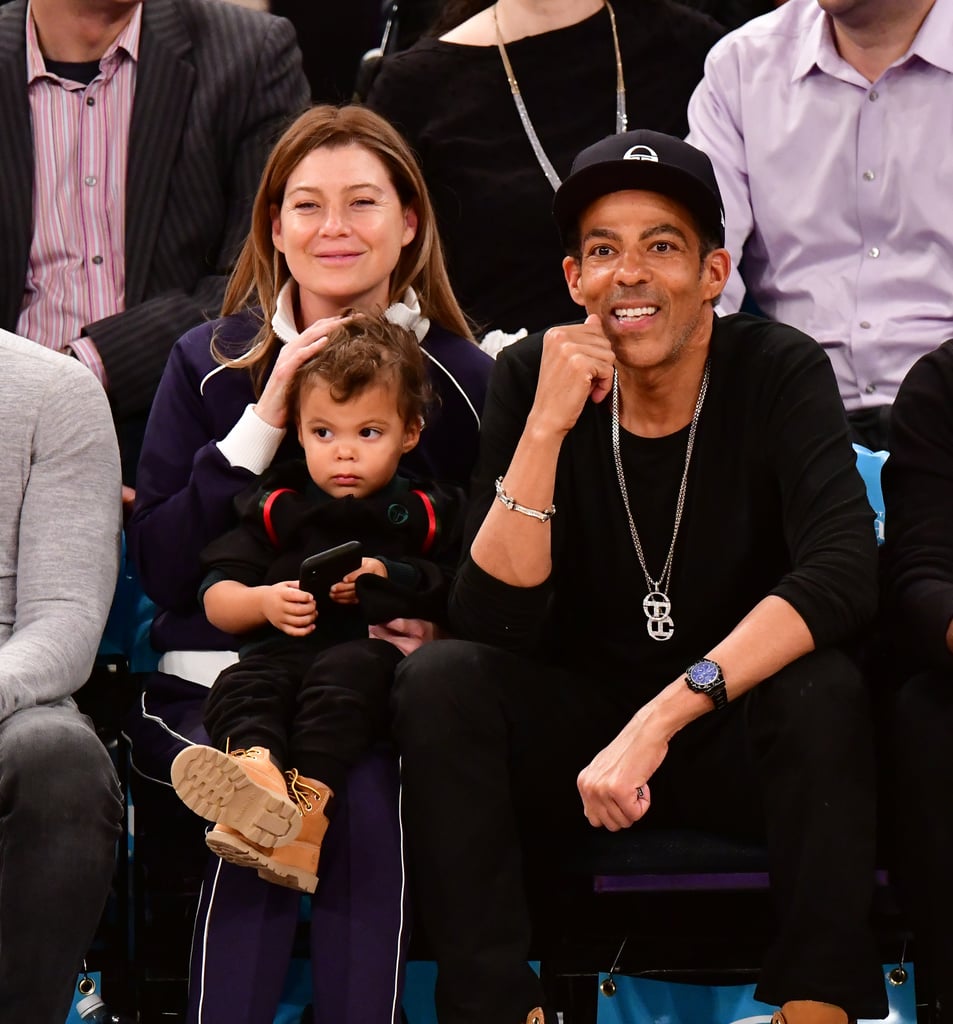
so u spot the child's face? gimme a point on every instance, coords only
(353, 447)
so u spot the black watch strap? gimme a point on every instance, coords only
(706, 677)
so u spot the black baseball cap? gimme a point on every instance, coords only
(646, 160)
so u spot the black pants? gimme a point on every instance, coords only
(319, 713)
(920, 817)
(870, 427)
(491, 745)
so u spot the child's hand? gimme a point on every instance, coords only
(345, 592)
(289, 609)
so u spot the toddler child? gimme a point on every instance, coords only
(309, 694)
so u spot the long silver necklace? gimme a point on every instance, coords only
(656, 603)
(621, 120)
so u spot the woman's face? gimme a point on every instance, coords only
(341, 228)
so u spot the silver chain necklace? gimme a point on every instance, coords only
(656, 604)
(621, 120)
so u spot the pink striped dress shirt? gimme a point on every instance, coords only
(76, 272)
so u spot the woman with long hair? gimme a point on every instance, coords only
(341, 222)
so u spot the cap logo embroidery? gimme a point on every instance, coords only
(641, 153)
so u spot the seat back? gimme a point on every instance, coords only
(130, 619)
(869, 465)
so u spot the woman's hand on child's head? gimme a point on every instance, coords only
(271, 407)
(345, 592)
(289, 609)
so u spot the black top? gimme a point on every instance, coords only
(413, 526)
(917, 482)
(494, 204)
(774, 505)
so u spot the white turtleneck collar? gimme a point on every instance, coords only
(405, 314)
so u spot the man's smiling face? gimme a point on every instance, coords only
(640, 270)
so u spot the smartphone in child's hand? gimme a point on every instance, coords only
(320, 572)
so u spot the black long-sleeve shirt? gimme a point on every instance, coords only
(774, 505)
(917, 483)
(412, 525)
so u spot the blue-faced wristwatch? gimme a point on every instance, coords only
(705, 677)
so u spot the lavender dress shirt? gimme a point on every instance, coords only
(838, 192)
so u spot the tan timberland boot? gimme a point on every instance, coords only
(295, 864)
(236, 848)
(536, 1016)
(242, 789)
(807, 1011)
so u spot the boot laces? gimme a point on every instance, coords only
(305, 796)
(252, 753)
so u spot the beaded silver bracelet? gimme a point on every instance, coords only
(514, 506)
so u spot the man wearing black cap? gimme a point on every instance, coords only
(671, 551)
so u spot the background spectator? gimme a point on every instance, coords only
(451, 98)
(817, 119)
(131, 141)
(60, 807)
(918, 570)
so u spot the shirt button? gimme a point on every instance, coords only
(873, 252)
(865, 324)
(97, 260)
(90, 179)
(870, 389)
(873, 95)
(869, 175)
(90, 101)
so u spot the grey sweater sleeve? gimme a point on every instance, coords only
(59, 524)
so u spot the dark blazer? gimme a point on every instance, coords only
(215, 85)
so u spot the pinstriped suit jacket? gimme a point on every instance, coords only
(215, 85)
